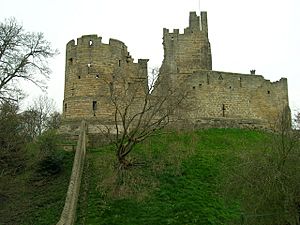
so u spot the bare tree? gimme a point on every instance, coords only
(29, 124)
(37, 117)
(139, 110)
(297, 121)
(267, 181)
(23, 56)
(53, 121)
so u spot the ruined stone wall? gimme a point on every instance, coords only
(214, 94)
(91, 68)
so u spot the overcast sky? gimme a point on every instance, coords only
(244, 34)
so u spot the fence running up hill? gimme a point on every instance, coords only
(68, 214)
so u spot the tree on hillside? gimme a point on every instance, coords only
(29, 124)
(40, 116)
(267, 181)
(297, 121)
(53, 121)
(11, 139)
(23, 56)
(139, 111)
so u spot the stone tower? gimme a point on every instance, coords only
(190, 51)
(90, 68)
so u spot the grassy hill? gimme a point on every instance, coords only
(179, 179)
(31, 197)
(215, 176)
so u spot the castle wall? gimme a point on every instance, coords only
(214, 94)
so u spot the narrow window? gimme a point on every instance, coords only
(229, 87)
(97, 76)
(90, 43)
(268, 92)
(194, 88)
(240, 82)
(119, 63)
(200, 85)
(70, 61)
(94, 107)
(66, 107)
(207, 79)
(223, 110)
(79, 77)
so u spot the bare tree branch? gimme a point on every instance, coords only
(23, 56)
(139, 110)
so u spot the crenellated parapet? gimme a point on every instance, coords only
(197, 23)
(88, 46)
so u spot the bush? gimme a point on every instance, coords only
(50, 165)
(51, 158)
(47, 143)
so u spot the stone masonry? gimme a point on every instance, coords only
(91, 67)
(215, 99)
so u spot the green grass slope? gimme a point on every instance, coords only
(29, 198)
(177, 180)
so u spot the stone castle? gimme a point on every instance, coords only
(216, 99)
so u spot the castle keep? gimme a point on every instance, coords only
(91, 67)
(215, 98)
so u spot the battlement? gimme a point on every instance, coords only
(90, 47)
(197, 24)
(167, 32)
(89, 40)
(235, 80)
(194, 22)
(94, 40)
(143, 63)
